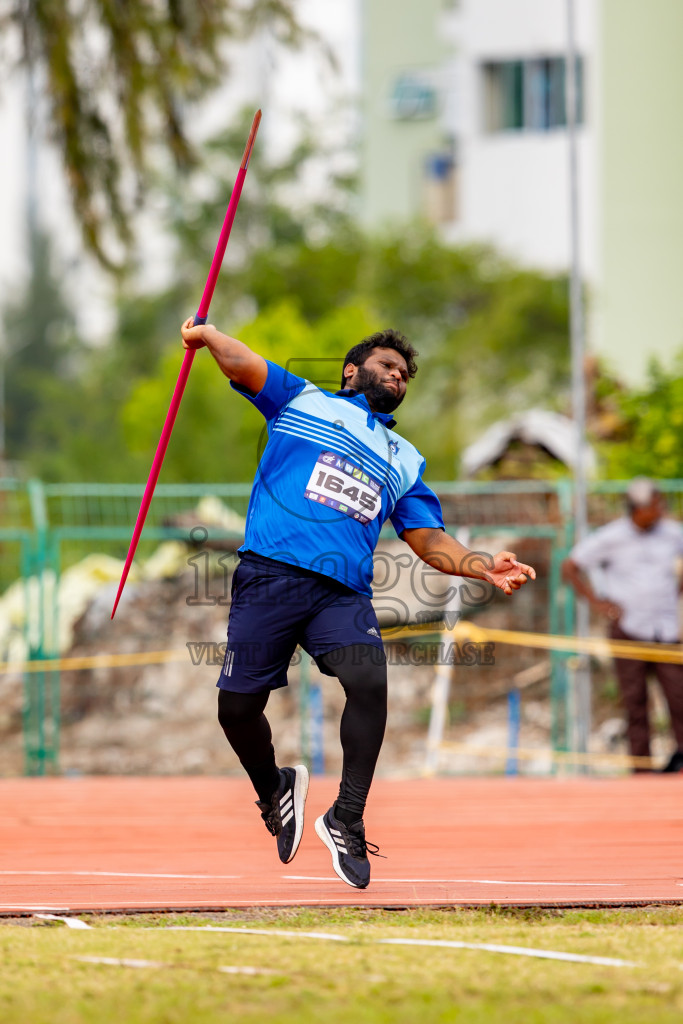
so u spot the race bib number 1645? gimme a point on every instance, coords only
(345, 487)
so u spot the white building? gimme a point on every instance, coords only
(507, 122)
(464, 121)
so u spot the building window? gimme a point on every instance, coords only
(528, 94)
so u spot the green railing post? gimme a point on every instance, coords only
(41, 697)
(55, 698)
(34, 682)
(562, 622)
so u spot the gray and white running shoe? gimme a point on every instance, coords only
(349, 848)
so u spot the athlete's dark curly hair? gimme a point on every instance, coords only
(382, 339)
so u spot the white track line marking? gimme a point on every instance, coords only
(256, 931)
(70, 922)
(545, 954)
(461, 881)
(112, 961)
(315, 878)
(245, 970)
(32, 906)
(115, 874)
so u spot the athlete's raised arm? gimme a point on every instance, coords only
(236, 360)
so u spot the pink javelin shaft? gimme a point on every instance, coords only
(200, 318)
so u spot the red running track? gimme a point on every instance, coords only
(105, 844)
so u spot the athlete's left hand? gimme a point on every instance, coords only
(508, 574)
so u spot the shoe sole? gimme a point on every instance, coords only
(324, 835)
(299, 800)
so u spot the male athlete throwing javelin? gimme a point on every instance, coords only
(333, 470)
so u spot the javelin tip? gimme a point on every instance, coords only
(250, 141)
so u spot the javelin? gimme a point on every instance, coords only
(200, 318)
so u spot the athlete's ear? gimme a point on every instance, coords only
(349, 371)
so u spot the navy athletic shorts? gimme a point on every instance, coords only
(276, 606)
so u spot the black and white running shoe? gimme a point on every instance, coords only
(284, 815)
(349, 848)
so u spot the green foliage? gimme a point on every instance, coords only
(63, 400)
(421, 282)
(146, 323)
(321, 276)
(42, 349)
(491, 338)
(512, 348)
(157, 60)
(218, 434)
(76, 434)
(301, 287)
(652, 427)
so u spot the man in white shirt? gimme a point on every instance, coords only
(627, 572)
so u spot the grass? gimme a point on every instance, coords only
(316, 980)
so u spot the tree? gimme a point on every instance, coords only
(76, 427)
(119, 81)
(278, 248)
(219, 436)
(650, 427)
(41, 348)
(492, 339)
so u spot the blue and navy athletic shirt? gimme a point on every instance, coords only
(330, 475)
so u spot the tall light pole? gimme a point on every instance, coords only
(581, 675)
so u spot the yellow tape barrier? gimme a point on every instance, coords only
(573, 757)
(599, 646)
(93, 661)
(462, 631)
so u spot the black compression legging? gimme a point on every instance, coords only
(248, 733)
(362, 671)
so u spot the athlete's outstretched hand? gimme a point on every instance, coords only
(508, 574)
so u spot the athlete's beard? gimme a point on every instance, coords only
(380, 397)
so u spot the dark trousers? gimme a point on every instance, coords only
(632, 677)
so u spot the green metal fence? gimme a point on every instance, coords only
(45, 528)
